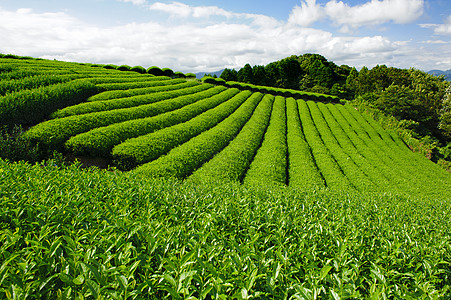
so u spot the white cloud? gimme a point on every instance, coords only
(306, 14)
(182, 10)
(136, 2)
(440, 29)
(374, 12)
(191, 46)
(435, 42)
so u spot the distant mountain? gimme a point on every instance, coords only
(447, 74)
(201, 74)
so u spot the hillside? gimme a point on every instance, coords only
(221, 190)
(414, 103)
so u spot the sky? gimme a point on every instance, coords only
(207, 35)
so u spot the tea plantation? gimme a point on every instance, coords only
(217, 191)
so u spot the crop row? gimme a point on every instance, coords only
(100, 78)
(330, 170)
(346, 163)
(32, 106)
(272, 90)
(115, 94)
(150, 81)
(270, 162)
(32, 82)
(369, 160)
(54, 133)
(302, 168)
(181, 161)
(98, 106)
(407, 163)
(151, 146)
(100, 141)
(233, 161)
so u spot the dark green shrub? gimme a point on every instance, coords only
(190, 75)
(11, 56)
(167, 72)
(138, 69)
(124, 68)
(208, 79)
(155, 71)
(179, 75)
(110, 67)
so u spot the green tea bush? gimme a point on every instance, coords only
(146, 82)
(32, 82)
(142, 149)
(155, 71)
(96, 106)
(333, 175)
(184, 159)
(116, 94)
(356, 176)
(32, 106)
(110, 67)
(233, 161)
(303, 172)
(67, 233)
(139, 70)
(167, 72)
(274, 91)
(100, 141)
(124, 68)
(270, 162)
(53, 134)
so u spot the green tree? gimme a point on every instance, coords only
(229, 75)
(290, 72)
(272, 74)
(259, 75)
(445, 114)
(245, 74)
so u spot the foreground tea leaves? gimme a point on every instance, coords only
(69, 233)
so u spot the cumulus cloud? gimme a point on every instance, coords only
(373, 12)
(182, 10)
(186, 47)
(440, 29)
(306, 14)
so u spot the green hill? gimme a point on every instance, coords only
(225, 192)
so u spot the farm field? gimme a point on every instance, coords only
(220, 192)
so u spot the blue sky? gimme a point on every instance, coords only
(208, 35)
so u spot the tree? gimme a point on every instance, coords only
(272, 74)
(445, 114)
(229, 75)
(351, 81)
(245, 74)
(259, 75)
(290, 72)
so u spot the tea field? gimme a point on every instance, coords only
(219, 191)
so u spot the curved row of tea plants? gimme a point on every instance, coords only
(233, 161)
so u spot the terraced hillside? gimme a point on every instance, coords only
(271, 197)
(165, 127)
